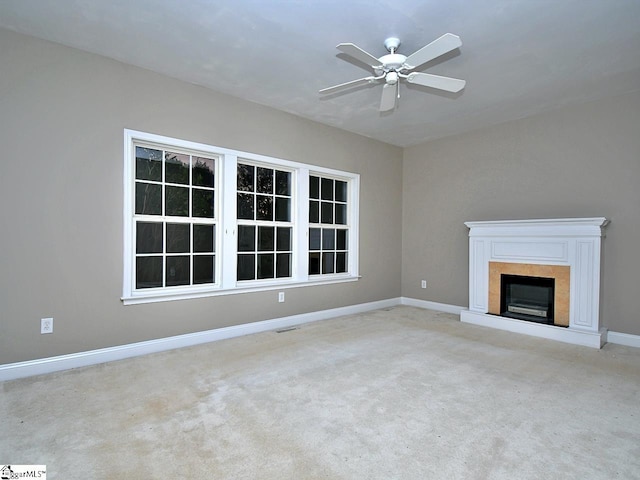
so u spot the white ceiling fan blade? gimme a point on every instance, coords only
(449, 84)
(388, 100)
(352, 83)
(439, 46)
(359, 54)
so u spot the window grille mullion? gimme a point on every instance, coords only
(228, 222)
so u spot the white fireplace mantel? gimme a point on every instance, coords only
(574, 242)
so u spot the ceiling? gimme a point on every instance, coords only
(519, 57)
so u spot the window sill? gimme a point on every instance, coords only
(139, 298)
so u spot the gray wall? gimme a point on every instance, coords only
(63, 113)
(582, 161)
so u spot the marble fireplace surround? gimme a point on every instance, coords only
(539, 245)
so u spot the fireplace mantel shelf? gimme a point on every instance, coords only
(574, 242)
(536, 227)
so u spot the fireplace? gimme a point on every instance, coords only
(527, 298)
(534, 276)
(557, 275)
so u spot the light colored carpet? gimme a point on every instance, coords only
(402, 393)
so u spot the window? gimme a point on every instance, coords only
(201, 220)
(174, 218)
(329, 229)
(264, 223)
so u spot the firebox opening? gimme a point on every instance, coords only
(527, 298)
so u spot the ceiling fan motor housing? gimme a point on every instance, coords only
(392, 61)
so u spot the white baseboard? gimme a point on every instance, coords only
(590, 339)
(41, 366)
(439, 307)
(624, 339)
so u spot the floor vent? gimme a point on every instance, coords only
(287, 329)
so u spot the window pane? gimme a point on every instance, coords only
(341, 214)
(148, 199)
(328, 239)
(177, 201)
(264, 207)
(178, 238)
(202, 203)
(327, 262)
(314, 239)
(265, 265)
(283, 209)
(283, 183)
(246, 238)
(341, 191)
(178, 272)
(327, 212)
(314, 187)
(245, 178)
(203, 269)
(283, 242)
(265, 239)
(204, 239)
(283, 265)
(148, 272)
(341, 240)
(314, 263)
(265, 180)
(203, 171)
(327, 189)
(176, 168)
(314, 212)
(341, 262)
(148, 164)
(245, 206)
(149, 237)
(246, 267)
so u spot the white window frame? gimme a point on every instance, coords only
(274, 223)
(335, 226)
(226, 230)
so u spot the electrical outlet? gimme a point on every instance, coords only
(280, 297)
(46, 325)
(423, 284)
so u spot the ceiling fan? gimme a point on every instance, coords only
(394, 66)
